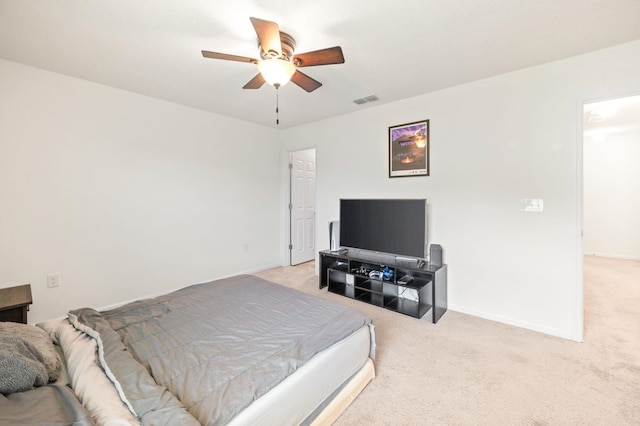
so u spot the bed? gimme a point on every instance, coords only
(237, 351)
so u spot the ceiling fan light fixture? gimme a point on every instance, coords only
(277, 72)
(278, 64)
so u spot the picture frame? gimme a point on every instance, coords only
(409, 149)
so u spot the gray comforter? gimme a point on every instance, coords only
(51, 405)
(211, 349)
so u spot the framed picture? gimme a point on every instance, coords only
(409, 149)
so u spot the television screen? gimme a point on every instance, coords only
(385, 225)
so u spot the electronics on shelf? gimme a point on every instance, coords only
(334, 236)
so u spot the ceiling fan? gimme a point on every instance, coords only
(278, 64)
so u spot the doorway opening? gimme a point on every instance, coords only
(302, 206)
(611, 178)
(610, 193)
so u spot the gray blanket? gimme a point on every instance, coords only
(210, 350)
(27, 358)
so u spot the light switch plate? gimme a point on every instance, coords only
(532, 205)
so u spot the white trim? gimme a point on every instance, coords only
(578, 264)
(613, 256)
(510, 321)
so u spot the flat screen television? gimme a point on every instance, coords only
(391, 226)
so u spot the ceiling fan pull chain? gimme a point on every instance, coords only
(277, 108)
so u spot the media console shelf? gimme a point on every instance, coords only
(352, 276)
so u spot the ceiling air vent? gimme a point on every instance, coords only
(370, 98)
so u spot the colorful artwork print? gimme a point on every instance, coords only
(409, 149)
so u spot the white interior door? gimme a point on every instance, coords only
(303, 206)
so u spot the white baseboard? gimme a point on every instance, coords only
(514, 322)
(613, 256)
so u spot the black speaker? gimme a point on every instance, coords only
(435, 255)
(334, 236)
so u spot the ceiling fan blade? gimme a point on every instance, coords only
(304, 81)
(268, 34)
(227, 57)
(330, 55)
(255, 83)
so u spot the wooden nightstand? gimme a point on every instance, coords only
(14, 303)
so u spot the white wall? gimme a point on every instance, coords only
(493, 142)
(612, 196)
(126, 196)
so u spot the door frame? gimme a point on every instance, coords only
(579, 228)
(579, 198)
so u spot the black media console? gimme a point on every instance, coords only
(401, 286)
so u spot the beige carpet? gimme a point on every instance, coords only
(469, 371)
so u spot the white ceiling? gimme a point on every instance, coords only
(393, 49)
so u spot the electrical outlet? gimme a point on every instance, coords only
(53, 280)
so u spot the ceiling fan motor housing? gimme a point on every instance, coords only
(288, 44)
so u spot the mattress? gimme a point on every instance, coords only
(298, 396)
